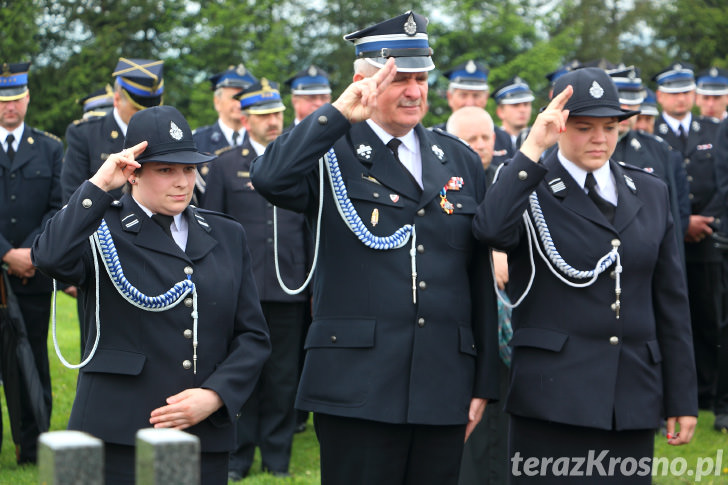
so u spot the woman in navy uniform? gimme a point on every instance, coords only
(191, 366)
(594, 368)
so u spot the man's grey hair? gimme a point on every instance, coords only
(363, 67)
(468, 114)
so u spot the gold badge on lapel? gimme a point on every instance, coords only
(245, 152)
(375, 217)
(114, 134)
(31, 140)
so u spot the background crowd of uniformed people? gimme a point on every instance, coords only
(680, 136)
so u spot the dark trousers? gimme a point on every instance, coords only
(120, 464)
(485, 456)
(267, 419)
(705, 292)
(560, 454)
(361, 452)
(36, 310)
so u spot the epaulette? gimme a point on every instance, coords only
(199, 214)
(222, 150)
(629, 166)
(201, 129)
(708, 119)
(49, 135)
(442, 132)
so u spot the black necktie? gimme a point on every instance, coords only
(605, 207)
(165, 222)
(11, 151)
(393, 145)
(236, 135)
(682, 134)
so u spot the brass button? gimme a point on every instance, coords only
(189, 270)
(187, 333)
(187, 364)
(86, 203)
(188, 301)
(614, 340)
(522, 175)
(333, 339)
(420, 248)
(421, 322)
(421, 212)
(422, 285)
(322, 120)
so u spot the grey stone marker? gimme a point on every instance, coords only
(167, 456)
(70, 457)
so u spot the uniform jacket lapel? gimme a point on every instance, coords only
(435, 169)
(25, 150)
(628, 203)
(199, 241)
(381, 162)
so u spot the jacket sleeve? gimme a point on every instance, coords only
(498, 220)
(59, 250)
(287, 173)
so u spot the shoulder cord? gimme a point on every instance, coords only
(555, 259)
(102, 240)
(353, 221)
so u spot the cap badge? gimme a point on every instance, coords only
(517, 80)
(240, 70)
(713, 72)
(470, 67)
(695, 126)
(311, 71)
(596, 90)
(6, 69)
(635, 143)
(662, 128)
(632, 75)
(174, 131)
(677, 67)
(438, 152)
(410, 27)
(364, 151)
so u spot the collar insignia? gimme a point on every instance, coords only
(438, 152)
(557, 185)
(635, 143)
(364, 151)
(630, 183)
(695, 126)
(662, 128)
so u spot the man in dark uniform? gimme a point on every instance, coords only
(228, 130)
(139, 84)
(694, 137)
(30, 169)
(98, 103)
(513, 100)
(401, 355)
(650, 152)
(268, 418)
(475, 126)
(310, 89)
(468, 86)
(712, 92)
(648, 112)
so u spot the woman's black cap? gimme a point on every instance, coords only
(595, 94)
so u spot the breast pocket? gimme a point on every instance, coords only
(242, 183)
(459, 222)
(380, 209)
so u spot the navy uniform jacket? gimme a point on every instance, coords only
(573, 361)
(699, 160)
(89, 143)
(140, 360)
(230, 190)
(371, 352)
(721, 161)
(30, 195)
(655, 156)
(210, 138)
(503, 149)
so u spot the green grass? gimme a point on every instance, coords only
(305, 461)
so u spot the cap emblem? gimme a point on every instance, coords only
(517, 80)
(311, 71)
(410, 27)
(240, 70)
(470, 67)
(713, 72)
(596, 90)
(174, 131)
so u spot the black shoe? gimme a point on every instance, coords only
(234, 476)
(300, 428)
(721, 423)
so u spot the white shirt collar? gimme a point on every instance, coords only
(17, 133)
(122, 126)
(410, 156)
(179, 226)
(259, 149)
(228, 132)
(606, 185)
(674, 123)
